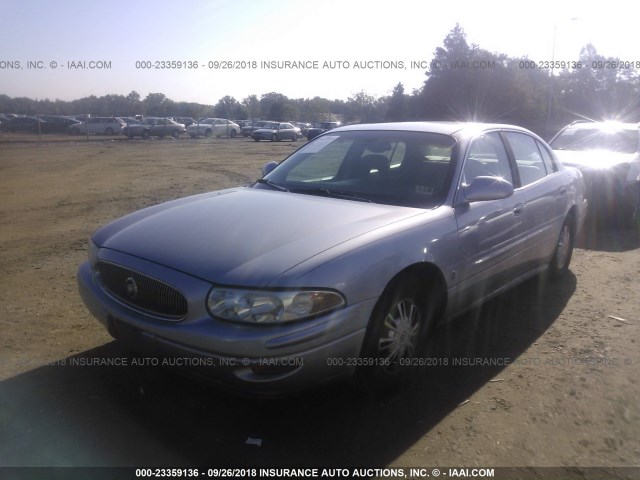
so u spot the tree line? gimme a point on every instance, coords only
(463, 83)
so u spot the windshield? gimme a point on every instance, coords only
(391, 167)
(623, 141)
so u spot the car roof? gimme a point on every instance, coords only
(445, 128)
(589, 125)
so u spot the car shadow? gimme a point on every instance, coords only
(77, 413)
(607, 237)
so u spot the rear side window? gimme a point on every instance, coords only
(528, 159)
(547, 158)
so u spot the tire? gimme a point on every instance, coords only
(295, 137)
(256, 139)
(274, 138)
(563, 252)
(146, 134)
(74, 131)
(192, 136)
(208, 133)
(233, 133)
(109, 131)
(397, 331)
(175, 134)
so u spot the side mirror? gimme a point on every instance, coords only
(483, 189)
(268, 168)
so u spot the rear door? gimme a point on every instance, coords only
(544, 194)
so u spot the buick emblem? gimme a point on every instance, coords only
(132, 288)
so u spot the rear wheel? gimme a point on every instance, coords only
(274, 138)
(563, 252)
(146, 134)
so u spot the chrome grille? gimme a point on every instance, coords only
(142, 292)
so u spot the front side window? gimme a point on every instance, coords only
(549, 163)
(486, 157)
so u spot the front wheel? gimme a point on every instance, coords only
(108, 131)
(146, 134)
(175, 134)
(233, 133)
(397, 330)
(564, 251)
(274, 138)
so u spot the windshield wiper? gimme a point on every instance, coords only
(275, 186)
(330, 193)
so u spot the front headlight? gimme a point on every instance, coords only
(267, 306)
(92, 253)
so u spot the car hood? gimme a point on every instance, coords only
(244, 236)
(594, 159)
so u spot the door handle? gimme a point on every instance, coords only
(518, 209)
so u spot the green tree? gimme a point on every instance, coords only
(397, 106)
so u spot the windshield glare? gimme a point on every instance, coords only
(397, 168)
(623, 141)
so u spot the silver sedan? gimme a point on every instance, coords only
(341, 259)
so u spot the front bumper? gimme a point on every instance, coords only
(256, 360)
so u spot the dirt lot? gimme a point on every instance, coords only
(565, 394)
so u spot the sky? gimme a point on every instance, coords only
(359, 38)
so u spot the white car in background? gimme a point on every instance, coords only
(98, 126)
(217, 127)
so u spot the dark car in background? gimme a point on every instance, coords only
(276, 131)
(27, 124)
(154, 127)
(320, 128)
(608, 155)
(303, 126)
(249, 127)
(57, 123)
